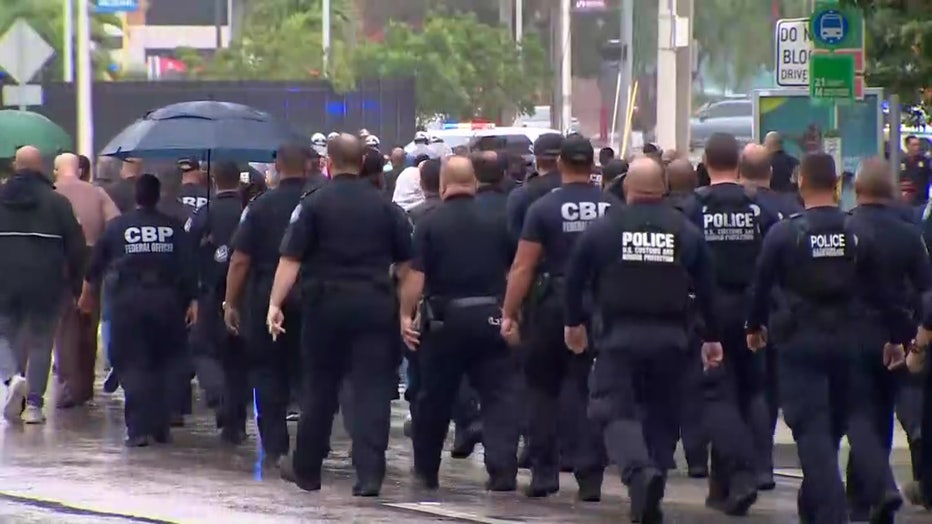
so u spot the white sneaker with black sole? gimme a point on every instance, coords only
(13, 404)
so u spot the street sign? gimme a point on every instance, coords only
(25, 95)
(859, 82)
(835, 27)
(115, 6)
(23, 52)
(831, 76)
(792, 50)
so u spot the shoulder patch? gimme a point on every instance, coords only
(295, 215)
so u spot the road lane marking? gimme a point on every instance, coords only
(67, 509)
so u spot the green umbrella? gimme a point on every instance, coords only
(25, 128)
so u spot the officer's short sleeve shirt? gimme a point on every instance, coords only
(299, 234)
(245, 240)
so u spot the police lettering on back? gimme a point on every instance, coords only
(194, 202)
(731, 226)
(827, 245)
(577, 215)
(149, 239)
(648, 246)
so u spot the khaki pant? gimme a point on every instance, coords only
(76, 352)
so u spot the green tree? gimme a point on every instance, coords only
(281, 40)
(47, 18)
(462, 67)
(899, 47)
(736, 36)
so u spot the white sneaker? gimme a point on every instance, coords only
(15, 397)
(33, 415)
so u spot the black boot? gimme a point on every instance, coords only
(646, 492)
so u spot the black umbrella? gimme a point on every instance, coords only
(205, 129)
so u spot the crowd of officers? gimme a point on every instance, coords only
(656, 311)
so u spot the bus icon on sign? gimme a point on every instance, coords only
(831, 27)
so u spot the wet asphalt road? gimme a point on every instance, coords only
(75, 470)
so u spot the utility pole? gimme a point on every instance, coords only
(566, 65)
(67, 47)
(674, 73)
(85, 112)
(326, 38)
(218, 24)
(626, 68)
(519, 21)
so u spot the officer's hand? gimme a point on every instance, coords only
(231, 319)
(411, 336)
(576, 338)
(894, 356)
(86, 303)
(757, 340)
(916, 359)
(712, 355)
(190, 316)
(509, 330)
(923, 337)
(275, 321)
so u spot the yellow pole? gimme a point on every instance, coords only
(632, 96)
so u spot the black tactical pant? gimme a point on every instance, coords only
(692, 431)
(271, 371)
(468, 344)
(823, 388)
(221, 364)
(925, 447)
(875, 393)
(737, 418)
(347, 333)
(147, 332)
(549, 362)
(633, 392)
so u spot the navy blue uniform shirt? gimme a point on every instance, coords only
(556, 220)
(211, 228)
(146, 241)
(779, 253)
(262, 225)
(600, 246)
(521, 198)
(193, 196)
(462, 251)
(346, 230)
(906, 271)
(778, 203)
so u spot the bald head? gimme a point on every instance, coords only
(773, 142)
(874, 181)
(754, 165)
(27, 158)
(669, 156)
(681, 177)
(66, 166)
(345, 153)
(457, 177)
(644, 181)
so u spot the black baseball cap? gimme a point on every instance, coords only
(548, 145)
(577, 150)
(188, 164)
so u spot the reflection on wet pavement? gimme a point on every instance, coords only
(75, 470)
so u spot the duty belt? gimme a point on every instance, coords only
(434, 309)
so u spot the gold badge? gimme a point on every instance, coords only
(922, 164)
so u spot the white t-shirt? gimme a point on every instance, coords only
(408, 188)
